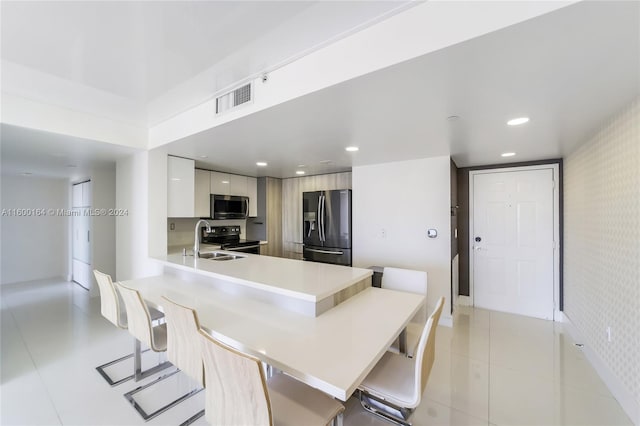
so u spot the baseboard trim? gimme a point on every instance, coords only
(464, 301)
(624, 397)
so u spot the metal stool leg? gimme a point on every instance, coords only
(148, 416)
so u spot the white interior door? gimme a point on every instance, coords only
(513, 242)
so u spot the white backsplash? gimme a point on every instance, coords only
(183, 233)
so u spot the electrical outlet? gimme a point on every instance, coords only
(609, 334)
(172, 226)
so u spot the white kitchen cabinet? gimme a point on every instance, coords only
(202, 193)
(81, 196)
(180, 187)
(238, 185)
(252, 193)
(81, 227)
(81, 201)
(76, 199)
(220, 184)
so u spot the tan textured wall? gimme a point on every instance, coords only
(602, 244)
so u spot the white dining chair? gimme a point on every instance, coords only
(184, 345)
(411, 281)
(140, 326)
(238, 392)
(111, 309)
(393, 389)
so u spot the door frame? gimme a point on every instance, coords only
(555, 167)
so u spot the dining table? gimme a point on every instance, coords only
(332, 352)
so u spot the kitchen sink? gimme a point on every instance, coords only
(220, 256)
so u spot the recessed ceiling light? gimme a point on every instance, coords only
(299, 172)
(518, 121)
(203, 156)
(175, 179)
(301, 166)
(261, 164)
(325, 162)
(71, 166)
(352, 148)
(225, 181)
(508, 154)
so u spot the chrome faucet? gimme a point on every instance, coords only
(196, 242)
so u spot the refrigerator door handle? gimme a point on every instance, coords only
(318, 220)
(325, 251)
(324, 236)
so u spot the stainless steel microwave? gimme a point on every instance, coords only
(229, 207)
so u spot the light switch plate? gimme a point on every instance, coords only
(432, 233)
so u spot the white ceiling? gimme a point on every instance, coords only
(45, 154)
(172, 55)
(569, 71)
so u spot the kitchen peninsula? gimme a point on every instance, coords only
(308, 288)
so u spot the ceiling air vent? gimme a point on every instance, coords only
(235, 98)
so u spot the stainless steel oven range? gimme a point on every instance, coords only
(229, 239)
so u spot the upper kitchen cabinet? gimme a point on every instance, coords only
(181, 187)
(220, 184)
(228, 184)
(203, 193)
(81, 196)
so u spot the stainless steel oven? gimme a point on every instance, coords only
(229, 239)
(253, 247)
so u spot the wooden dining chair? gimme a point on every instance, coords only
(238, 393)
(140, 326)
(411, 281)
(112, 309)
(397, 382)
(183, 344)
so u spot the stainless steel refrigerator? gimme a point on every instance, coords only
(326, 226)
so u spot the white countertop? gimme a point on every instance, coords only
(309, 281)
(332, 352)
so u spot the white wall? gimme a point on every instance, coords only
(144, 228)
(404, 199)
(103, 227)
(132, 229)
(34, 247)
(602, 252)
(158, 188)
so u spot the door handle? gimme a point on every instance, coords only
(322, 219)
(325, 251)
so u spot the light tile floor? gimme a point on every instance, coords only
(491, 369)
